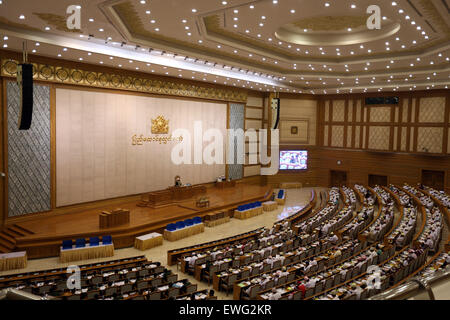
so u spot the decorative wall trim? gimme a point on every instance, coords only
(79, 76)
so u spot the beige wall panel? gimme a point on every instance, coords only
(358, 110)
(337, 138)
(325, 136)
(95, 158)
(432, 109)
(357, 136)
(350, 111)
(294, 109)
(252, 171)
(403, 139)
(338, 110)
(253, 113)
(301, 136)
(396, 114)
(411, 139)
(266, 111)
(364, 136)
(327, 110)
(405, 110)
(448, 143)
(380, 114)
(430, 139)
(255, 101)
(379, 138)
(253, 124)
(349, 136)
(413, 110)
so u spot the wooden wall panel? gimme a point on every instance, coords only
(411, 126)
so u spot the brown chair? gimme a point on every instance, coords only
(173, 292)
(156, 295)
(228, 285)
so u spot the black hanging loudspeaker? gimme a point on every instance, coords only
(25, 82)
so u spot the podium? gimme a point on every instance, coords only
(170, 195)
(115, 218)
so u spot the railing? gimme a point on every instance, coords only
(414, 287)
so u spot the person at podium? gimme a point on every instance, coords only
(178, 182)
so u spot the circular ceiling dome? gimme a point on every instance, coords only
(334, 31)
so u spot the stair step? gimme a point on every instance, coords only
(6, 244)
(7, 238)
(13, 234)
(20, 229)
(4, 250)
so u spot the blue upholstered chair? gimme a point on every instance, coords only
(94, 241)
(189, 222)
(180, 225)
(80, 243)
(197, 220)
(107, 240)
(171, 227)
(67, 244)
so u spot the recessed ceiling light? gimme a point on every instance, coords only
(353, 6)
(89, 54)
(47, 28)
(194, 10)
(5, 46)
(91, 20)
(327, 4)
(5, 38)
(292, 11)
(394, 3)
(152, 21)
(224, 3)
(81, 59)
(21, 17)
(156, 29)
(236, 11)
(252, 7)
(142, 1)
(59, 54)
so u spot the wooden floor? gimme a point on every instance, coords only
(49, 231)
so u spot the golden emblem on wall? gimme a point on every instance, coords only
(160, 125)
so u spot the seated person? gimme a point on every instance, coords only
(178, 182)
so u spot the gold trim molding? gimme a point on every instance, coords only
(75, 76)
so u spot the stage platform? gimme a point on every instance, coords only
(49, 231)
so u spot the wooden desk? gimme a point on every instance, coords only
(13, 260)
(170, 195)
(247, 214)
(225, 184)
(148, 241)
(270, 205)
(184, 233)
(88, 252)
(113, 219)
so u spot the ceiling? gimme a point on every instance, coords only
(302, 46)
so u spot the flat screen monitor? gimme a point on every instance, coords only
(294, 160)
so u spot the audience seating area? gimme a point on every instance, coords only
(333, 252)
(125, 279)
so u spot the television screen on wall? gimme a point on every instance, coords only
(294, 160)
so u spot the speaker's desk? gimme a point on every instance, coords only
(170, 195)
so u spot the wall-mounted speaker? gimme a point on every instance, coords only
(25, 82)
